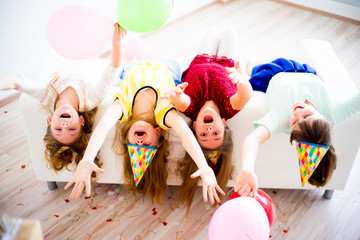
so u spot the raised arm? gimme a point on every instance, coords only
(188, 140)
(98, 93)
(116, 51)
(86, 166)
(246, 182)
(244, 90)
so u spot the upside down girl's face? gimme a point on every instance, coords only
(144, 134)
(65, 124)
(302, 111)
(209, 128)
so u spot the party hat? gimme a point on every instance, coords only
(140, 158)
(310, 155)
(214, 156)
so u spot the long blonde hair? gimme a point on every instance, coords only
(57, 161)
(153, 182)
(223, 169)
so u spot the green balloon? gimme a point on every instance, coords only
(143, 15)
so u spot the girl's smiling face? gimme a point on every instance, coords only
(65, 124)
(144, 134)
(209, 128)
(302, 111)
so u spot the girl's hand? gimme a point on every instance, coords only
(119, 33)
(10, 82)
(237, 74)
(246, 184)
(178, 97)
(175, 93)
(209, 184)
(83, 178)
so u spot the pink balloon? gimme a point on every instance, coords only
(134, 47)
(78, 32)
(239, 218)
(265, 202)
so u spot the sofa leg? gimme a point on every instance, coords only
(328, 194)
(52, 185)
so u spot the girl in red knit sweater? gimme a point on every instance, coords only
(214, 89)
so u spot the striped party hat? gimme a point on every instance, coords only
(140, 158)
(310, 155)
(214, 156)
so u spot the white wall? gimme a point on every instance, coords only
(337, 7)
(23, 44)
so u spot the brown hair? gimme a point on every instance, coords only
(223, 169)
(58, 161)
(318, 131)
(153, 182)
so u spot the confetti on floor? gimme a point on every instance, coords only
(154, 211)
(23, 166)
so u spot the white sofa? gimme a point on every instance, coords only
(276, 164)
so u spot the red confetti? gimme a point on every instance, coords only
(285, 231)
(154, 211)
(56, 215)
(22, 166)
(93, 208)
(109, 220)
(87, 197)
(67, 200)
(5, 111)
(165, 223)
(274, 192)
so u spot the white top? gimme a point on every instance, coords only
(89, 95)
(287, 88)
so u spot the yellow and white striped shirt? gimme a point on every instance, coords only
(139, 77)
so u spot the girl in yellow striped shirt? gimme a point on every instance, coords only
(145, 117)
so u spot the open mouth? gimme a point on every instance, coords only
(65, 115)
(208, 119)
(140, 133)
(297, 108)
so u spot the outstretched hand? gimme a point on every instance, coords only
(209, 184)
(237, 74)
(175, 93)
(10, 82)
(177, 96)
(246, 184)
(119, 32)
(83, 178)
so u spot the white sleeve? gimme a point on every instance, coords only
(33, 89)
(97, 94)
